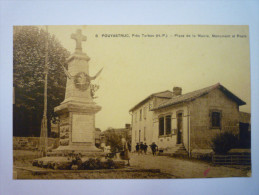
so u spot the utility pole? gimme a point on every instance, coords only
(44, 129)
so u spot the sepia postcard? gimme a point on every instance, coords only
(131, 102)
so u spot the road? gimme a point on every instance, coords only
(185, 168)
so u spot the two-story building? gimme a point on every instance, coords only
(187, 121)
(143, 117)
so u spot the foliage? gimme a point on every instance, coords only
(223, 142)
(114, 140)
(28, 78)
(96, 163)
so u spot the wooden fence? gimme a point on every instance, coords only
(240, 159)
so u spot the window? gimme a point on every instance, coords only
(140, 114)
(139, 135)
(215, 119)
(150, 105)
(165, 125)
(145, 112)
(136, 117)
(161, 126)
(144, 133)
(168, 124)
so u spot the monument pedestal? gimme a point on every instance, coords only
(77, 129)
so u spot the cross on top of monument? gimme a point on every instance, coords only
(78, 37)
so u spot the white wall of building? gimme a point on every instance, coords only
(168, 141)
(143, 125)
(149, 126)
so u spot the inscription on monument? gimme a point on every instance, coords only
(82, 128)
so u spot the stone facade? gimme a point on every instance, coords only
(191, 119)
(201, 133)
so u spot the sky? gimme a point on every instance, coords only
(157, 58)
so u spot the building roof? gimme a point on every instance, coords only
(198, 93)
(163, 94)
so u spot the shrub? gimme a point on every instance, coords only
(96, 163)
(223, 142)
(91, 164)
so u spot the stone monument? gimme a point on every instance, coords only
(77, 120)
(77, 111)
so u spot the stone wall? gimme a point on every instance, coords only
(244, 117)
(201, 132)
(31, 143)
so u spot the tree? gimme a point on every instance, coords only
(28, 78)
(114, 140)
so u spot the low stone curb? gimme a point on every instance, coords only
(38, 170)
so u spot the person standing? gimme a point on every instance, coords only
(154, 148)
(129, 146)
(141, 147)
(145, 148)
(137, 148)
(125, 151)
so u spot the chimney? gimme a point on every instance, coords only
(127, 126)
(177, 91)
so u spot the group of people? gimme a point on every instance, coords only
(142, 148)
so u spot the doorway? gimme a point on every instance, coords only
(179, 128)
